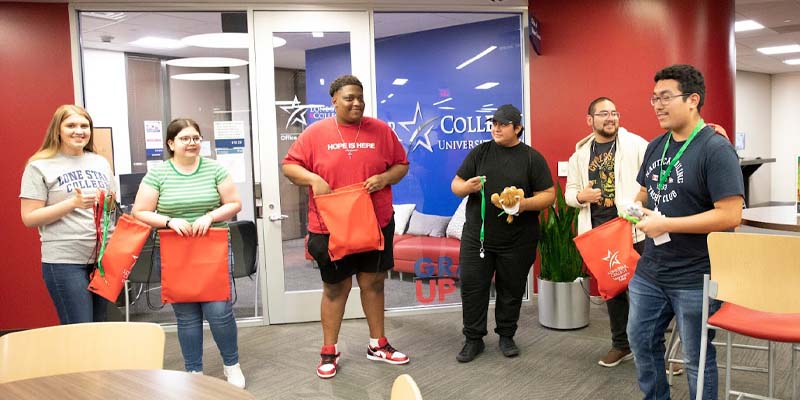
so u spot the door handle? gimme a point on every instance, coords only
(278, 217)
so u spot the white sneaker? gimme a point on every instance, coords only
(234, 375)
(196, 372)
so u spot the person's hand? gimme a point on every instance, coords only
(201, 225)
(83, 200)
(653, 224)
(375, 183)
(589, 194)
(319, 187)
(474, 184)
(181, 226)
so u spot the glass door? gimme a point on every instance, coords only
(297, 55)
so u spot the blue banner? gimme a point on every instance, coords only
(437, 89)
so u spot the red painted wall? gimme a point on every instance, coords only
(614, 48)
(590, 49)
(36, 68)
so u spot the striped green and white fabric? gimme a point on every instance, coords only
(187, 196)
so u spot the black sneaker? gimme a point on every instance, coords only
(508, 347)
(471, 349)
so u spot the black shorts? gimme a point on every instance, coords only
(370, 261)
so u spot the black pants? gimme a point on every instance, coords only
(510, 269)
(618, 313)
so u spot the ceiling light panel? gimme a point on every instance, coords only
(152, 42)
(477, 57)
(207, 62)
(225, 40)
(278, 41)
(106, 15)
(205, 76)
(487, 85)
(791, 48)
(746, 25)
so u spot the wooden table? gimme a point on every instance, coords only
(123, 384)
(779, 218)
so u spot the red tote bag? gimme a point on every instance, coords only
(349, 215)
(117, 255)
(194, 268)
(608, 253)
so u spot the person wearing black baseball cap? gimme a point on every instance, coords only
(490, 245)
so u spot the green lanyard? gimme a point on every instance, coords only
(664, 174)
(483, 214)
(106, 220)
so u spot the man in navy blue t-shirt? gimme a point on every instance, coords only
(691, 185)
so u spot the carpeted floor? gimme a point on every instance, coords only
(279, 362)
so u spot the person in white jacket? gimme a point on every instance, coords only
(601, 181)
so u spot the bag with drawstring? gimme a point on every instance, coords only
(350, 217)
(116, 254)
(608, 253)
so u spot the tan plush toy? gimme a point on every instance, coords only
(509, 201)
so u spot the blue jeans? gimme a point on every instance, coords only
(67, 286)
(219, 315)
(651, 309)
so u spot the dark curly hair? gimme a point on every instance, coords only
(690, 80)
(594, 103)
(343, 81)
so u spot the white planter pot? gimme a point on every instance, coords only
(563, 305)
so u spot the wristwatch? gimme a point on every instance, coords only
(167, 224)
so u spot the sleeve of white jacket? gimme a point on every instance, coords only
(574, 184)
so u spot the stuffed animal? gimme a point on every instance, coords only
(509, 201)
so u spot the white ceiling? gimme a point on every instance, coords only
(781, 20)
(97, 32)
(780, 17)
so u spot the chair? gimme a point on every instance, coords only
(143, 273)
(90, 346)
(757, 277)
(404, 388)
(244, 243)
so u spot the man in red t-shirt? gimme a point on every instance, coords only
(336, 152)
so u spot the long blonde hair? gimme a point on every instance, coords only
(52, 139)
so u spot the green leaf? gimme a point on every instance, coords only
(560, 259)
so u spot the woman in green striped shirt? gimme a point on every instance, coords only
(189, 194)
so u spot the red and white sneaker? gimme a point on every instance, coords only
(328, 361)
(385, 352)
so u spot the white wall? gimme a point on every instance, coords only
(754, 119)
(106, 96)
(785, 135)
(240, 111)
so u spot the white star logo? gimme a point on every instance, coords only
(612, 258)
(419, 135)
(296, 111)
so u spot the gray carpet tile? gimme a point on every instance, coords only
(279, 362)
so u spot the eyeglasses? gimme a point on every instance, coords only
(666, 98)
(606, 114)
(190, 139)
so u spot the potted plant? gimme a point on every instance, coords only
(563, 286)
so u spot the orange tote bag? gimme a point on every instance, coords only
(349, 215)
(608, 252)
(194, 268)
(118, 257)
